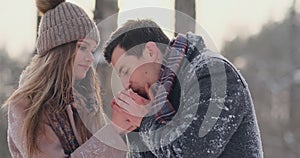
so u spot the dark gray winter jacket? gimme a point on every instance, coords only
(214, 117)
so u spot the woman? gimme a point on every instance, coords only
(55, 111)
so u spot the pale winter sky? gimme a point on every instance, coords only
(221, 19)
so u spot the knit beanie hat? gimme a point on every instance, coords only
(61, 23)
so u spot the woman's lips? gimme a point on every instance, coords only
(85, 67)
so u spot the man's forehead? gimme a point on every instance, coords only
(117, 53)
(123, 61)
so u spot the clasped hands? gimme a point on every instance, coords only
(128, 110)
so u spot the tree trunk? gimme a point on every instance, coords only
(104, 9)
(185, 23)
(38, 19)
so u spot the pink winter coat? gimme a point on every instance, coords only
(106, 143)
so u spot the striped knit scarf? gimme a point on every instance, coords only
(180, 47)
(60, 124)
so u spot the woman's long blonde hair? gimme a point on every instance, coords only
(48, 84)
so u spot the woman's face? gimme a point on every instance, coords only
(84, 58)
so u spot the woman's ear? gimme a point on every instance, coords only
(151, 51)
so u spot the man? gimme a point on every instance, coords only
(200, 106)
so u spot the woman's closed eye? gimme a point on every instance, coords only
(86, 47)
(82, 48)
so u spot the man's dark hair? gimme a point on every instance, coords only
(133, 36)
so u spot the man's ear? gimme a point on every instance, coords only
(151, 51)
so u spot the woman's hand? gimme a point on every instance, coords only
(129, 108)
(122, 121)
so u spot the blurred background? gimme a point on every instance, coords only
(261, 38)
